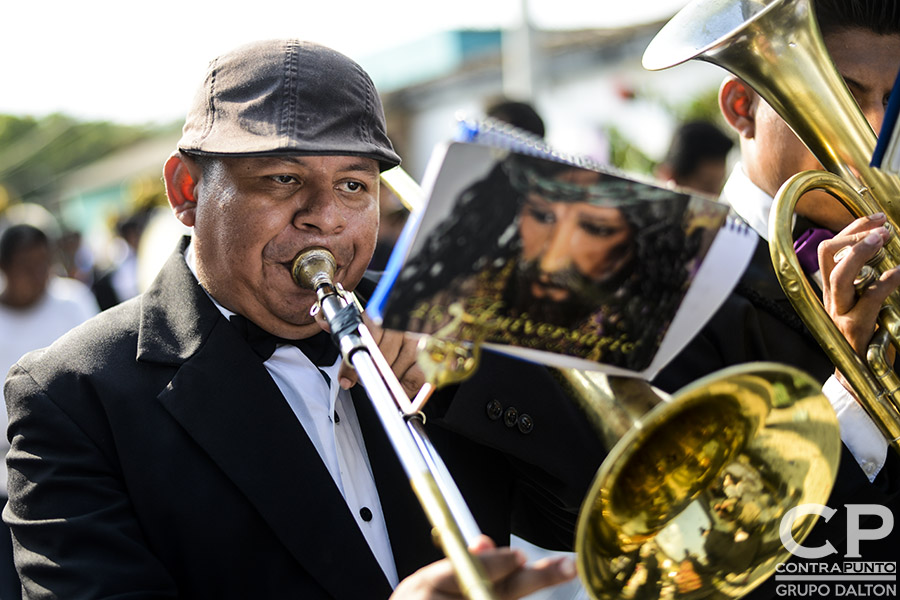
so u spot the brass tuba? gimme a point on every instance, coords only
(776, 47)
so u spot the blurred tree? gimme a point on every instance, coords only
(703, 106)
(34, 153)
(624, 155)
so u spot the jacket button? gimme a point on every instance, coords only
(525, 423)
(510, 416)
(494, 410)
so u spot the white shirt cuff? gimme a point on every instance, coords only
(858, 432)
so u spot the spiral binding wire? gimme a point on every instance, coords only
(499, 134)
(492, 132)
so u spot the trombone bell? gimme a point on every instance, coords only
(690, 500)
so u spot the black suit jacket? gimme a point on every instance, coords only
(755, 323)
(154, 457)
(758, 323)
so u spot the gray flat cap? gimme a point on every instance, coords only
(287, 97)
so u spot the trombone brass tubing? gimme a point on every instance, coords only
(875, 387)
(690, 499)
(453, 525)
(405, 188)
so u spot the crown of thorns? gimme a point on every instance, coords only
(607, 190)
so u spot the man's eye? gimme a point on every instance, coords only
(284, 179)
(353, 186)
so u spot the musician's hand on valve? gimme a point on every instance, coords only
(505, 568)
(841, 259)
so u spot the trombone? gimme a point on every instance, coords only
(776, 47)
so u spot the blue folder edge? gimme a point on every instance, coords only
(888, 125)
(467, 131)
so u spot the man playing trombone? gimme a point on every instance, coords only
(174, 447)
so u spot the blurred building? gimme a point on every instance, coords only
(585, 84)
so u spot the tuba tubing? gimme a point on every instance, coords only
(874, 381)
(776, 47)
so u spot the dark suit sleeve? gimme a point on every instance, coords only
(73, 526)
(519, 414)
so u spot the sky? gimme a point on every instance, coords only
(140, 62)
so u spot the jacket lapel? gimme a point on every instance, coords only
(226, 401)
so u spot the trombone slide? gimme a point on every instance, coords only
(454, 527)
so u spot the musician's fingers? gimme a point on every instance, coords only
(320, 317)
(391, 346)
(347, 376)
(850, 235)
(406, 367)
(503, 567)
(858, 324)
(544, 573)
(400, 349)
(863, 224)
(846, 256)
(437, 581)
(390, 342)
(512, 577)
(481, 543)
(412, 380)
(877, 292)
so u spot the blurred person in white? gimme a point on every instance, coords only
(35, 309)
(120, 281)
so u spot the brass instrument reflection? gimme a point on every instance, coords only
(690, 500)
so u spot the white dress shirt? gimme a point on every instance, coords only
(750, 202)
(858, 432)
(328, 416)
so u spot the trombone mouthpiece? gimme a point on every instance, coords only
(313, 268)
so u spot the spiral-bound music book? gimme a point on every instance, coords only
(553, 259)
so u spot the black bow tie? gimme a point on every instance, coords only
(320, 349)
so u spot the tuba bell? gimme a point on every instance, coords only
(776, 47)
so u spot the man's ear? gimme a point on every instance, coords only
(737, 102)
(181, 176)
